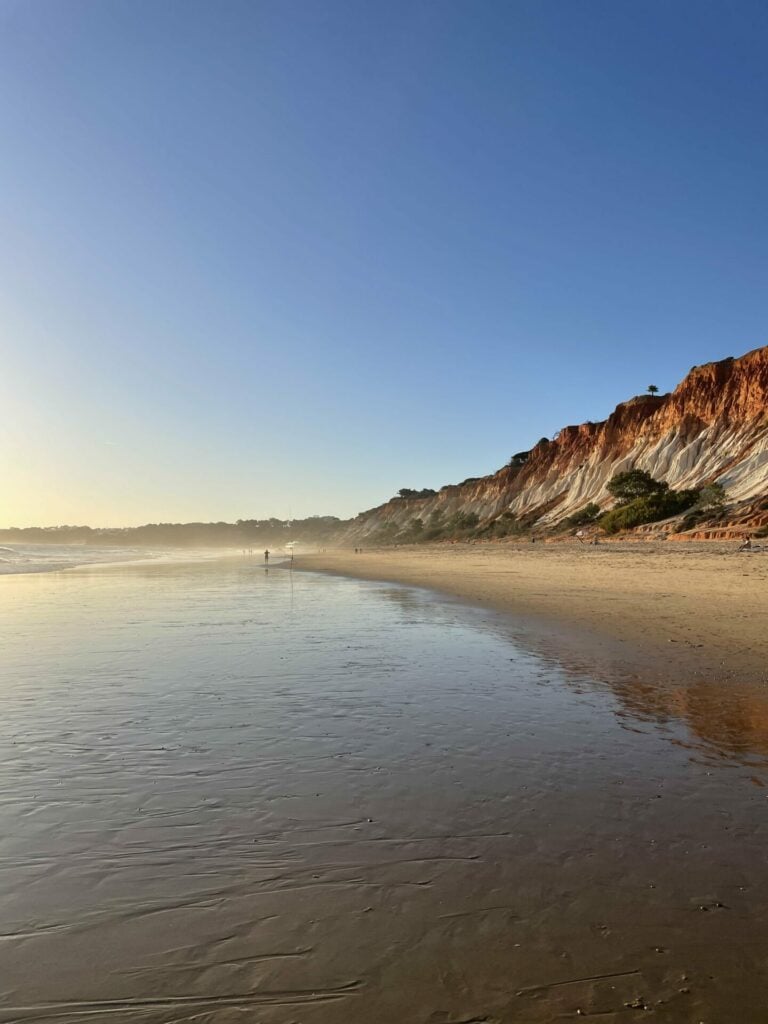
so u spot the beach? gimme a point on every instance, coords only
(232, 792)
(694, 608)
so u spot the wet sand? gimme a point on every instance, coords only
(293, 798)
(701, 609)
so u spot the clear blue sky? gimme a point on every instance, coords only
(294, 255)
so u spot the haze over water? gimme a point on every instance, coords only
(230, 794)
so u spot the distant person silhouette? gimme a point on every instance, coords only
(266, 557)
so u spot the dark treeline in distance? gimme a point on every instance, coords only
(243, 533)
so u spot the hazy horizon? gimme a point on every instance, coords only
(149, 522)
(267, 259)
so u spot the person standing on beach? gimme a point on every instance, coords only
(266, 557)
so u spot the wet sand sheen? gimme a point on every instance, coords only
(701, 608)
(281, 797)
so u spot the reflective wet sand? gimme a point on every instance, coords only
(701, 608)
(237, 796)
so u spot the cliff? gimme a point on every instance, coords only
(713, 428)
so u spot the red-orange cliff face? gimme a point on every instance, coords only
(732, 390)
(712, 428)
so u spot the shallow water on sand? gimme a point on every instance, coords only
(230, 795)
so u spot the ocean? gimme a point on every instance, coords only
(27, 558)
(238, 794)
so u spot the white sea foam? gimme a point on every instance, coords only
(24, 558)
(28, 558)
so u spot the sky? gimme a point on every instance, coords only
(283, 258)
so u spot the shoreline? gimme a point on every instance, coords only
(150, 556)
(696, 609)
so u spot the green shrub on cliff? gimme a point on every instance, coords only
(712, 496)
(585, 515)
(651, 508)
(634, 483)
(409, 492)
(434, 528)
(462, 521)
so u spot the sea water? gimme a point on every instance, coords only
(231, 793)
(27, 558)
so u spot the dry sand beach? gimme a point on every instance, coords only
(700, 608)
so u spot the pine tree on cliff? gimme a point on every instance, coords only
(652, 389)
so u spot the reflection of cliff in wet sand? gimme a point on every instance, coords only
(725, 721)
(698, 609)
(678, 634)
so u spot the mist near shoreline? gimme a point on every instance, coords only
(243, 534)
(19, 559)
